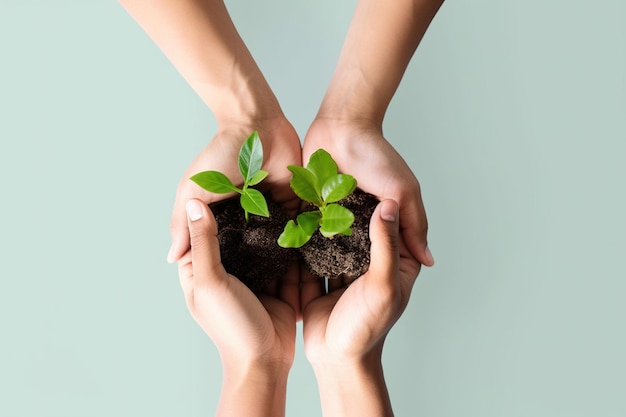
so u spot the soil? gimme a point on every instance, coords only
(251, 253)
(343, 256)
(249, 250)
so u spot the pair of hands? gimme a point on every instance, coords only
(344, 325)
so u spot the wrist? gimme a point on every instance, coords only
(350, 100)
(253, 389)
(272, 130)
(246, 99)
(342, 134)
(268, 366)
(353, 388)
(340, 121)
(267, 373)
(325, 362)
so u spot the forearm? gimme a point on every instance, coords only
(201, 41)
(353, 389)
(253, 391)
(380, 42)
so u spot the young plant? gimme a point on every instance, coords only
(321, 185)
(250, 161)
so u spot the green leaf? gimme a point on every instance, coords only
(304, 184)
(250, 157)
(293, 236)
(322, 165)
(296, 235)
(336, 219)
(309, 221)
(258, 177)
(254, 202)
(347, 232)
(338, 187)
(215, 182)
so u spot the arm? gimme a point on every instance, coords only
(345, 329)
(355, 389)
(258, 391)
(201, 41)
(255, 335)
(379, 45)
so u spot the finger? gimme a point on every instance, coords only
(272, 289)
(348, 280)
(414, 229)
(185, 275)
(311, 287)
(335, 284)
(180, 233)
(384, 237)
(205, 248)
(289, 289)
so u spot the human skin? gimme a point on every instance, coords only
(378, 47)
(345, 329)
(201, 41)
(345, 326)
(254, 334)
(345, 353)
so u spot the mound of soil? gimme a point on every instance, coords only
(249, 251)
(343, 256)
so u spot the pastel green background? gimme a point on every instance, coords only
(512, 114)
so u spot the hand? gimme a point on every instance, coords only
(255, 335)
(347, 324)
(281, 147)
(344, 330)
(360, 150)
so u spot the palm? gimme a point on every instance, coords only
(363, 152)
(241, 324)
(281, 147)
(352, 320)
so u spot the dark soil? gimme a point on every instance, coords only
(343, 256)
(249, 251)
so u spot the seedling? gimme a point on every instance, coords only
(250, 161)
(321, 185)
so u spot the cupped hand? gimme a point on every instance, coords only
(281, 147)
(246, 328)
(348, 323)
(360, 150)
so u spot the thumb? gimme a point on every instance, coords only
(384, 232)
(205, 247)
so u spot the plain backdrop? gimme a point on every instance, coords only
(512, 114)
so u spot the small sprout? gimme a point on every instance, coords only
(321, 185)
(250, 161)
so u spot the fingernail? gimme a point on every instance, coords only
(389, 211)
(429, 257)
(194, 210)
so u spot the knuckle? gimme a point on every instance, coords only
(198, 239)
